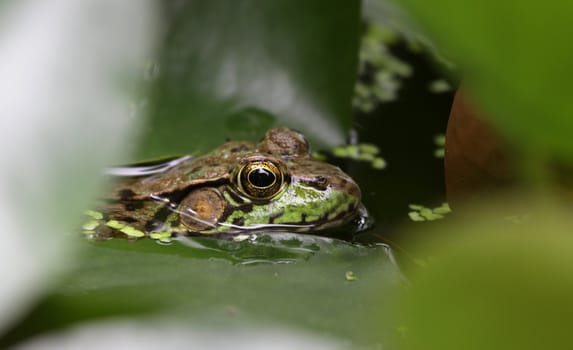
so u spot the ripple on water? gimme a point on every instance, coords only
(278, 248)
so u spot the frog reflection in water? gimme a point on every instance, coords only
(239, 187)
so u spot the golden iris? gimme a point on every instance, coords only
(260, 179)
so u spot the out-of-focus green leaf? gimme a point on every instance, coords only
(233, 69)
(303, 283)
(517, 60)
(162, 333)
(64, 69)
(489, 284)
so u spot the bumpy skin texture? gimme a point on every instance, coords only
(206, 195)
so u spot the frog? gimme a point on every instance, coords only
(240, 187)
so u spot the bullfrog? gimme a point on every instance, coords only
(240, 187)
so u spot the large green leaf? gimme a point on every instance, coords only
(313, 283)
(232, 69)
(516, 58)
(490, 284)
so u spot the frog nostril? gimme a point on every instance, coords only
(320, 182)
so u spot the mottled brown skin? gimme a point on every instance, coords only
(199, 184)
(285, 143)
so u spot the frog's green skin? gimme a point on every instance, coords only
(204, 195)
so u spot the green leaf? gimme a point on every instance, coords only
(443, 209)
(300, 281)
(503, 285)
(233, 69)
(415, 216)
(421, 213)
(516, 59)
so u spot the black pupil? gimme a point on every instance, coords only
(261, 177)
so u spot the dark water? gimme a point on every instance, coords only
(404, 130)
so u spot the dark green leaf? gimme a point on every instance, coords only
(233, 69)
(304, 283)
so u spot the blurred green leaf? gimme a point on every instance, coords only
(233, 69)
(488, 283)
(58, 104)
(304, 284)
(161, 333)
(517, 61)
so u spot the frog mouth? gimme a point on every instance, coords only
(237, 227)
(359, 216)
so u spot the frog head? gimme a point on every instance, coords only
(275, 185)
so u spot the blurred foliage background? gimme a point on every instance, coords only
(494, 274)
(270, 64)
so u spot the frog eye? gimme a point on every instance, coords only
(260, 179)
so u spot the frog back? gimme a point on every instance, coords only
(212, 168)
